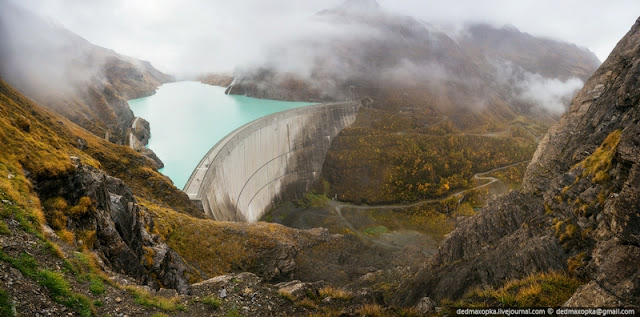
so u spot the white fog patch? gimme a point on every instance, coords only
(550, 93)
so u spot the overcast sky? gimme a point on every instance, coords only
(190, 36)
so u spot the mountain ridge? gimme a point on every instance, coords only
(386, 44)
(577, 210)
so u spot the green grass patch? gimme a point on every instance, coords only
(210, 301)
(159, 315)
(61, 292)
(6, 304)
(86, 267)
(55, 282)
(4, 229)
(25, 224)
(145, 299)
(96, 287)
(375, 231)
(312, 200)
(26, 264)
(27, 217)
(54, 249)
(233, 312)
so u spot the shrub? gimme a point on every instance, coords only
(337, 293)
(286, 295)
(307, 303)
(372, 310)
(600, 162)
(84, 205)
(145, 299)
(539, 290)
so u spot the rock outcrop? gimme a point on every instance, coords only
(111, 222)
(577, 211)
(139, 138)
(222, 80)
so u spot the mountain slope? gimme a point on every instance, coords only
(403, 63)
(549, 58)
(441, 109)
(86, 83)
(86, 225)
(578, 210)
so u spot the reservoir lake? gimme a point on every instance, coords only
(188, 118)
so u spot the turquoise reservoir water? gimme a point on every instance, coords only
(188, 118)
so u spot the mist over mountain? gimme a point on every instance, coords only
(86, 83)
(359, 49)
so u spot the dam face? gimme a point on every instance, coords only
(267, 161)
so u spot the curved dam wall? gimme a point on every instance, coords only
(266, 161)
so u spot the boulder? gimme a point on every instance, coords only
(299, 290)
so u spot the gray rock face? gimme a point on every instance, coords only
(122, 240)
(591, 294)
(141, 130)
(219, 284)
(579, 204)
(139, 138)
(426, 306)
(299, 290)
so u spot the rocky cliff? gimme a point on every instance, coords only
(64, 170)
(109, 221)
(578, 210)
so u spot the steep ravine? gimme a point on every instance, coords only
(578, 211)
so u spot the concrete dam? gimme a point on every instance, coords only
(267, 161)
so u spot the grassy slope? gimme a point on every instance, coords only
(41, 142)
(388, 157)
(537, 290)
(38, 144)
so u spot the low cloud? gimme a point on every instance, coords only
(191, 36)
(550, 93)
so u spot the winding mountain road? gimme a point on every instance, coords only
(338, 205)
